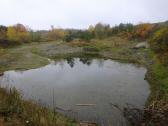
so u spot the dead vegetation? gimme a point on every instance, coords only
(156, 114)
(16, 112)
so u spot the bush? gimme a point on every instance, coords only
(18, 34)
(159, 44)
(68, 38)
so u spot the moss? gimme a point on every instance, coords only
(91, 49)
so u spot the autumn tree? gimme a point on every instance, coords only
(18, 34)
(159, 44)
(56, 34)
(143, 31)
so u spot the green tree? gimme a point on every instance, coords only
(85, 35)
(101, 30)
(3, 33)
(35, 36)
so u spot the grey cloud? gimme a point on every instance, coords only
(40, 14)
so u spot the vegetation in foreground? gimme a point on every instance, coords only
(16, 112)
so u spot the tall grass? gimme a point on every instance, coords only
(26, 113)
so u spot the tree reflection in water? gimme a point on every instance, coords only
(86, 61)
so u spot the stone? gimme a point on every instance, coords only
(1, 74)
(142, 45)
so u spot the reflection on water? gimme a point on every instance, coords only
(94, 83)
(87, 61)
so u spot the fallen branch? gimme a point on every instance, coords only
(87, 124)
(85, 104)
(61, 109)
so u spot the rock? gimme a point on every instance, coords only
(1, 74)
(142, 45)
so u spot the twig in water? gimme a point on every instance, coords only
(85, 104)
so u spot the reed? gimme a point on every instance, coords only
(14, 110)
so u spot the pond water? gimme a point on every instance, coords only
(84, 89)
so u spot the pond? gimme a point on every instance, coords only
(84, 89)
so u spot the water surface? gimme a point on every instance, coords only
(66, 83)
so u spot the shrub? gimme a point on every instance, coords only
(18, 34)
(159, 44)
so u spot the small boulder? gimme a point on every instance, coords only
(1, 74)
(142, 45)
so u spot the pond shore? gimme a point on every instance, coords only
(35, 55)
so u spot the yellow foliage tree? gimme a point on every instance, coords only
(11, 34)
(18, 33)
(56, 34)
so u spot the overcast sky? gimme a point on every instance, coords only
(41, 14)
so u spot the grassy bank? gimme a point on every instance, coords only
(158, 76)
(35, 55)
(16, 112)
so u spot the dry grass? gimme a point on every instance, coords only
(16, 112)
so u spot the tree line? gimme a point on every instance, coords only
(156, 33)
(19, 33)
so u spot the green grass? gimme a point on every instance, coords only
(160, 73)
(91, 49)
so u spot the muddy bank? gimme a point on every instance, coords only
(35, 55)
